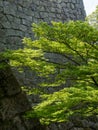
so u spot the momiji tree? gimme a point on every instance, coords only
(77, 42)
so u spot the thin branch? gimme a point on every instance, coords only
(95, 82)
(76, 52)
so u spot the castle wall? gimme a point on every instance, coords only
(16, 17)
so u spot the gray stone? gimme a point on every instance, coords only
(85, 123)
(17, 20)
(53, 127)
(7, 25)
(72, 6)
(10, 18)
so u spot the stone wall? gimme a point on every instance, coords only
(16, 17)
(76, 123)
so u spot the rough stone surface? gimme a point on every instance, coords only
(82, 124)
(13, 103)
(16, 17)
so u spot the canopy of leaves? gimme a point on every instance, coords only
(77, 42)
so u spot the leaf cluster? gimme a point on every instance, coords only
(77, 43)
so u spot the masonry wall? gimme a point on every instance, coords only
(16, 17)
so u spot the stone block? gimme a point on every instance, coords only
(7, 25)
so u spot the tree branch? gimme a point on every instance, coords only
(93, 79)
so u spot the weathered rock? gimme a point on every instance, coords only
(8, 83)
(13, 103)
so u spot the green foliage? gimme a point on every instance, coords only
(68, 102)
(77, 42)
(28, 57)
